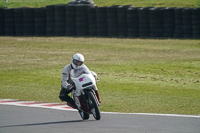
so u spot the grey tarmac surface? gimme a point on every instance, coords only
(14, 119)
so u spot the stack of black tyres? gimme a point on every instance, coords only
(143, 17)
(19, 22)
(70, 20)
(60, 20)
(92, 24)
(9, 22)
(133, 22)
(112, 19)
(122, 21)
(187, 23)
(178, 16)
(156, 22)
(196, 22)
(82, 20)
(50, 20)
(40, 21)
(101, 18)
(2, 23)
(168, 22)
(28, 20)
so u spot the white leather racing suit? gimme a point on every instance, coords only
(68, 70)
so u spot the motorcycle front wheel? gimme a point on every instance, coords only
(84, 115)
(93, 106)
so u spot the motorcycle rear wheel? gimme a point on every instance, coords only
(93, 106)
(84, 115)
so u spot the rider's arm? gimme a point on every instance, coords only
(95, 75)
(65, 76)
(85, 70)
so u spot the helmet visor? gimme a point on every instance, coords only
(77, 63)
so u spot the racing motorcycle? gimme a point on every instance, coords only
(86, 97)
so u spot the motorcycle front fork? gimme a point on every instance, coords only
(97, 94)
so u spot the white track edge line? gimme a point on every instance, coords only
(18, 103)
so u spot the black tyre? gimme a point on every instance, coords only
(92, 24)
(2, 22)
(84, 115)
(50, 20)
(93, 106)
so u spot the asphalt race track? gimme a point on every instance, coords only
(15, 119)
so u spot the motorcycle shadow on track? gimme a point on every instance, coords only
(46, 123)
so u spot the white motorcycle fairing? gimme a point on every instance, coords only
(84, 81)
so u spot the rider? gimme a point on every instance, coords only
(76, 68)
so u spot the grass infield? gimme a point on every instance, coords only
(136, 75)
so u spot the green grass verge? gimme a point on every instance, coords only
(136, 3)
(136, 75)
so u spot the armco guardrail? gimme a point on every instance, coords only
(114, 21)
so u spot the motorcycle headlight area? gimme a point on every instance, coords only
(87, 84)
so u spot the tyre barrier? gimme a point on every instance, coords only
(50, 20)
(187, 23)
(70, 21)
(112, 21)
(101, 20)
(60, 23)
(19, 23)
(132, 22)
(89, 20)
(2, 22)
(143, 22)
(9, 22)
(178, 30)
(122, 20)
(92, 23)
(82, 21)
(168, 22)
(28, 21)
(40, 21)
(196, 22)
(156, 22)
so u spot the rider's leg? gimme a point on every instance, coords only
(64, 97)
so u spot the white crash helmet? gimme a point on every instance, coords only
(77, 60)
